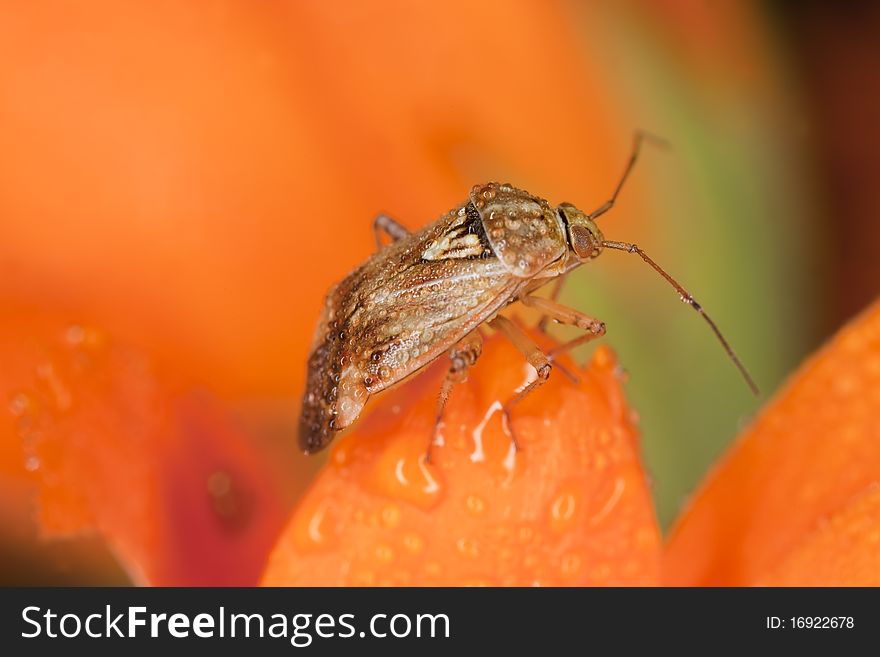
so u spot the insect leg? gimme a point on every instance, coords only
(385, 224)
(461, 357)
(639, 137)
(536, 358)
(554, 295)
(566, 315)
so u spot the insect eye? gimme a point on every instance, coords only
(582, 242)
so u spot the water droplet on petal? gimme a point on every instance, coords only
(475, 505)
(413, 542)
(390, 516)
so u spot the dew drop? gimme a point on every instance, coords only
(478, 454)
(75, 335)
(433, 569)
(467, 547)
(390, 516)
(413, 542)
(58, 390)
(384, 553)
(475, 504)
(563, 508)
(570, 565)
(219, 484)
(363, 578)
(20, 404)
(610, 503)
(600, 572)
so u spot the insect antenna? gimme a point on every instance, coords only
(688, 299)
(639, 137)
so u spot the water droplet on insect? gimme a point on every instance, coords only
(32, 463)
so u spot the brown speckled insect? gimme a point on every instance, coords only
(426, 293)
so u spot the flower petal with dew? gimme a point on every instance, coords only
(571, 507)
(114, 445)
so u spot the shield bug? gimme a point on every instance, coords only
(427, 293)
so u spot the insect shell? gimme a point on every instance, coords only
(421, 294)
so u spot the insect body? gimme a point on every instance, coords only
(426, 293)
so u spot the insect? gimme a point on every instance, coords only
(426, 293)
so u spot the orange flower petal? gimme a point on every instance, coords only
(571, 507)
(806, 457)
(844, 551)
(111, 444)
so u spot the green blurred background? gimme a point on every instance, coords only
(765, 209)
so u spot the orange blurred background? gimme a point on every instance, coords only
(181, 182)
